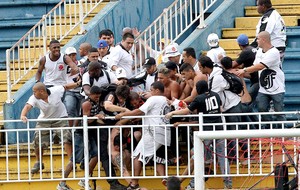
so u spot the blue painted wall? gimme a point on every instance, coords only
(115, 16)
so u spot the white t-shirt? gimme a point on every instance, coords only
(271, 78)
(275, 26)
(54, 108)
(157, 105)
(219, 85)
(121, 58)
(149, 80)
(55, 71)
(214, 53)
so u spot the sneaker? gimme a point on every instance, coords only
(36, 167)
(117, 186)
(81, 183)
(133, 187)
(227, 186)
(189, 187)
(63, 187)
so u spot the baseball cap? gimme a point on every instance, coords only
(120, 73)
(70, 50)
(242, 39)
(171, 65)
(102, 44)
(172, 50)
(149, 62)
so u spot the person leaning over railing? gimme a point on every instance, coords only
(51, 106)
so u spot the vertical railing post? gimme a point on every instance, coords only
(199, 157)
(166, 29)
(81, 17)
(202, 24)
(44, 33)
(8, 76)
(86, 152)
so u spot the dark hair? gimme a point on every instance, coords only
(190, 52)
(266, 3)
(127, 35)
(94, 65)
(105, 32)
(205, 61)
(93, 49)
(117, 140)
(133, 96)
(95, 90)
(123, 91)
(54, 41)
(226, 62)
(173, 183)
(158, 85)
(171, 65)
(110, 32)
(186, 67)
(201, 87)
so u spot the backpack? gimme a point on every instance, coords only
(235, 82)
(106, 89)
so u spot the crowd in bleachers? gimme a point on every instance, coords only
(102, 83)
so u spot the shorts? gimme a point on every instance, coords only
(79, 148)
(45, 134)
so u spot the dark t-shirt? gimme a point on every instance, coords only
(247, 58)
(208, 103)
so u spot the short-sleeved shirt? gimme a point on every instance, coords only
(214, 53)
(121, 58)
(54, 108)
(271, 78)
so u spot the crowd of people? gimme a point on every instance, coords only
(102, 84)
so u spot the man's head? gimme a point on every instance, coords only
(263, 6)
(126, 30)
(205, 65)
(162, 43)
(95, 93)
(71, 52)
(213, 40)
(157, 88)
(173, 183)
(94, 69)
(135, 99)
(242, 40)
(39, 90)
(189, 55)
(122, 93)
(172, 68)
(105, 35)
(164, 75)
(226, 63)
(84, 49)
(172, 53)
(93, 54)
(150, 65)
(54, 47)
(127, 41)
(201, 87)
(187, 71)
(102, 46)
(263, 39)
(112, 38)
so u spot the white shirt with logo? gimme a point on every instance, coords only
(55, 71)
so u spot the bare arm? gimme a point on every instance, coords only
(86, 89)
(175, 90)
(24, 112)
(72, 65)
(130, 113)
(41, 67)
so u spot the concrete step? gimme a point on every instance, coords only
(251, 22)
(70, 8)
(27, 76)
(284, 10)
(285, 2)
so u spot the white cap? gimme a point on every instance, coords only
(70, 50)
(172, 50)
(213, 40)
(120, 73)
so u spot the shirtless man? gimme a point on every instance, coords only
(191, 78)
(172, 88)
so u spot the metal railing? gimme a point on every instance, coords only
(65, 19)
(170, 26)
(267, 152)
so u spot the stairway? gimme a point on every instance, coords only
(290, 10)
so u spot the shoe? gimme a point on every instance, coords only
(227, 186)
(117, 186)
(133, 187)
(81, 183)
(63, 187)
(189, 187)
(36, 167)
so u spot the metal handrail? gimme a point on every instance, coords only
(58, 23)
(170, 25)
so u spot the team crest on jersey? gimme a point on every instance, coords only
(61, 66)
(267, 78)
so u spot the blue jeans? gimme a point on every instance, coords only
(72, 102)
(263, 105)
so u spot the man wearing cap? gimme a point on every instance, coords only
(173, 54)
(92, 56)
(216, 53)
(246, 59)
(103, 51)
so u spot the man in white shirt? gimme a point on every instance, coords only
(51, 106)
(120, 55)
(216, 53)
(103, 51)
(271, 77)
(157, 104)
